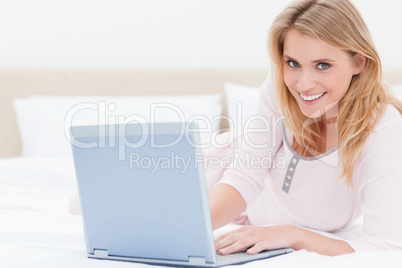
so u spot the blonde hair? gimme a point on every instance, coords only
(338, 23)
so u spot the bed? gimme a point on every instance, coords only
(37, 180)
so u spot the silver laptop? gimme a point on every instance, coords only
(144, 198)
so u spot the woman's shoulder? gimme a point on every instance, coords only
(382, 151)
(391, 120)
(385, 139)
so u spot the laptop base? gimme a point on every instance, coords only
(222, 260)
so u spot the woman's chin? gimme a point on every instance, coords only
(329, 110)
(312, 114)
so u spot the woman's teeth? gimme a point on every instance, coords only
(312, 97)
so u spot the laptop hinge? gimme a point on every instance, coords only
(196, 260)
(101, 253)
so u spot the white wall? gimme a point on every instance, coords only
(160, 33)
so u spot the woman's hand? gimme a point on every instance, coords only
(255, 239)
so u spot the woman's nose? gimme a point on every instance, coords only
(306, 81)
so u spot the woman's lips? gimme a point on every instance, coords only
(312, 98)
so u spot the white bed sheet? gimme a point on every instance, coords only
(36, 229)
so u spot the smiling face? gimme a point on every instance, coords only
(317, 74)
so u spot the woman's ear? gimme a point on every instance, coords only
(360, 62)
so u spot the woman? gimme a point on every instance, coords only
(339, 143)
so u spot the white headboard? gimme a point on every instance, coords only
(17, 83)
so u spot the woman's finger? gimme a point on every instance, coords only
(239, 245)
(229, 236)
(257, 248)
(227, 240)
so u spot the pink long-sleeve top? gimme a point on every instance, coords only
(282, 187)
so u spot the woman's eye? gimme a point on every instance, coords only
(293, 64)
(323, 66)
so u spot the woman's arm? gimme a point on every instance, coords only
(255, 239)
(226, 203)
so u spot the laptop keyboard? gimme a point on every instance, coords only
(232, 256)
(242, 256)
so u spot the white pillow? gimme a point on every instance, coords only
(242, 103)
(43, 121)
(397, 89)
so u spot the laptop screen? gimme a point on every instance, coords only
(142, 191)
